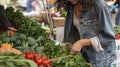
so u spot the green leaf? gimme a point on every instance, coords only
(2, 64)
(6, 40)
(10, 64)
(29, 62)
(67, 64)
(20, 63)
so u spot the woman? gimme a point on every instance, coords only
(29, 6)
(89, 27)
(4, 23)
(117, 18)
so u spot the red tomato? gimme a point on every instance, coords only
(39, 61)
(45, 62)
(29, 56)
(35, 54)
(36, 58)
(41, 66)
(43, 58)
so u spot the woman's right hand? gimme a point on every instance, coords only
(11, 31)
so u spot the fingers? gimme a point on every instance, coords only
(75, 48)
(74, 51)
(10, 32)
(12, 29)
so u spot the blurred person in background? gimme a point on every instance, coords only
(117, 18)
(23, 4)
(114, 6)
(29, 6)
(34, 4)
(89, 28)
(51, 3)
(4, 22)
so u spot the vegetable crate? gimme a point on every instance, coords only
(57, 21)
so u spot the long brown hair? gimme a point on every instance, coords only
(86, 4)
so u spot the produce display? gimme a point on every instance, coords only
(117, 31)
(9, 59)
(21, 41)
(5, 47)
(55, 13)
(71, 61)
(41, 61)
(32, 47)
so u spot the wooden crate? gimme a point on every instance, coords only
(58, 21)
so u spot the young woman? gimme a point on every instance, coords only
(4, 22)
(89, 27)
(117, 18)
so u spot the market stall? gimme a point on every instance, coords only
(39, 43)
(31, 45)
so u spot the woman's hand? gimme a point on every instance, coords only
(76, 47)
(11, 31)
(79, 44)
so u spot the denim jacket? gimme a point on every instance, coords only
(95, 22)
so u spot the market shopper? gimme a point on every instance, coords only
(89, 27)
(29, 6)
(4, 22)
(51, 3)
(114, 6)
(117, 18)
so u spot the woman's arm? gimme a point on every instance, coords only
(106, 31)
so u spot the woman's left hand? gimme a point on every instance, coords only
(76, 47)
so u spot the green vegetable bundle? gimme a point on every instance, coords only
(70, 61)
(12, 60)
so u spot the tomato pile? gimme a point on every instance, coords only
(41, 61)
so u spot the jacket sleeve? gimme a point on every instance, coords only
(3, 18)
(70, 31)
(106, 30)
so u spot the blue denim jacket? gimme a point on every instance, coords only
(95, 22)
